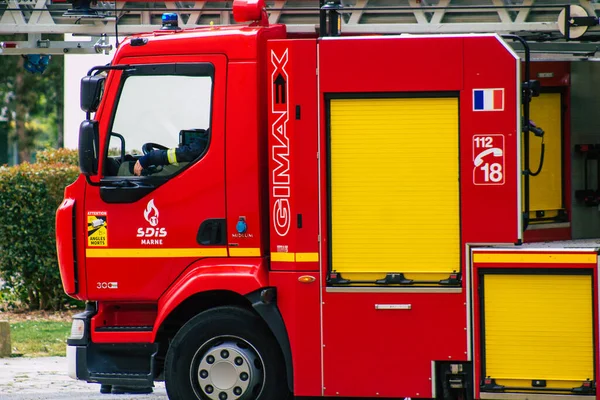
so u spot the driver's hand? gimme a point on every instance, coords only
(137, 168)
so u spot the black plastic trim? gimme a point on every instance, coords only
(81, 370)
(90, 100)
(264, 302)
(444, 378)
(124, 328)
(187, 69)
(212, 232)
(138, 41)
(88, 147)
(125, 194)
(101, 68)
(127, 364)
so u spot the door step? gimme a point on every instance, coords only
(147, 328)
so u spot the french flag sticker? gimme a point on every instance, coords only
(488, 99)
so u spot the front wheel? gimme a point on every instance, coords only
(225, 353)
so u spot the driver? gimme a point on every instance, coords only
(182, 153)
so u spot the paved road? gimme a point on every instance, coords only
(46, 379)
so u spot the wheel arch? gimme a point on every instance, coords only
(233, 276)
(202, 288)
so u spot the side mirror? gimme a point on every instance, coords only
(88, 134)
(91, 92)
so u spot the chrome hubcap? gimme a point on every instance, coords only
(228, 368)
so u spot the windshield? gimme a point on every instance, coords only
(155, 108)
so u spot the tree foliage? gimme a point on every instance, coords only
(29, 197)
(32, 104)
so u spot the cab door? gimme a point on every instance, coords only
(143, 231)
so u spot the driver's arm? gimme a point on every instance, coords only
(188, 152)
(155, 157)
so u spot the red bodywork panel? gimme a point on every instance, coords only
(147, 278)
(392, 64)
(293, 156)
(69, 250)
(444, 65)
(65, 248)
(242, 276)
(392, 350)
(233, 169)
(499, 205)
(350, 319)
(402, 344)
(293, 202)
(240, 43)
(300, 307)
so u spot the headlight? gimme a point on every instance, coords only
(77, 329)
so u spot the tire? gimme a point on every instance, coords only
(225, 353)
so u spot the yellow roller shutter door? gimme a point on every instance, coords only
(394, 187)
(546, 188)
(538, 327)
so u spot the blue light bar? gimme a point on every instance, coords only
(169, 21)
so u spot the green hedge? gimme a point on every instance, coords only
(29, 197)
(57, 156)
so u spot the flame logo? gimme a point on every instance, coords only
(151, 213)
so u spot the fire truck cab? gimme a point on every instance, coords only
(361, 219)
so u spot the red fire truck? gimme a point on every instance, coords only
(358, 223)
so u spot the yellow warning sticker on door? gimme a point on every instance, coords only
(97, 229)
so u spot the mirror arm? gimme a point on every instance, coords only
(90, 182)
(122, 144)
(101, 68)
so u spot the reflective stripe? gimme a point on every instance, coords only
(534, 258)
(248, 252)
(172, 157)
(295, 257)
(155, 253)
(285, 257)
(307, 257)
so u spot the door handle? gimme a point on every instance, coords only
(393, 306)
(212, 232)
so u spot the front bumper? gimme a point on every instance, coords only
(127, 364)
(77, 347)
(77, 362)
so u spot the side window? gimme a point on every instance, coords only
(162, 122)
